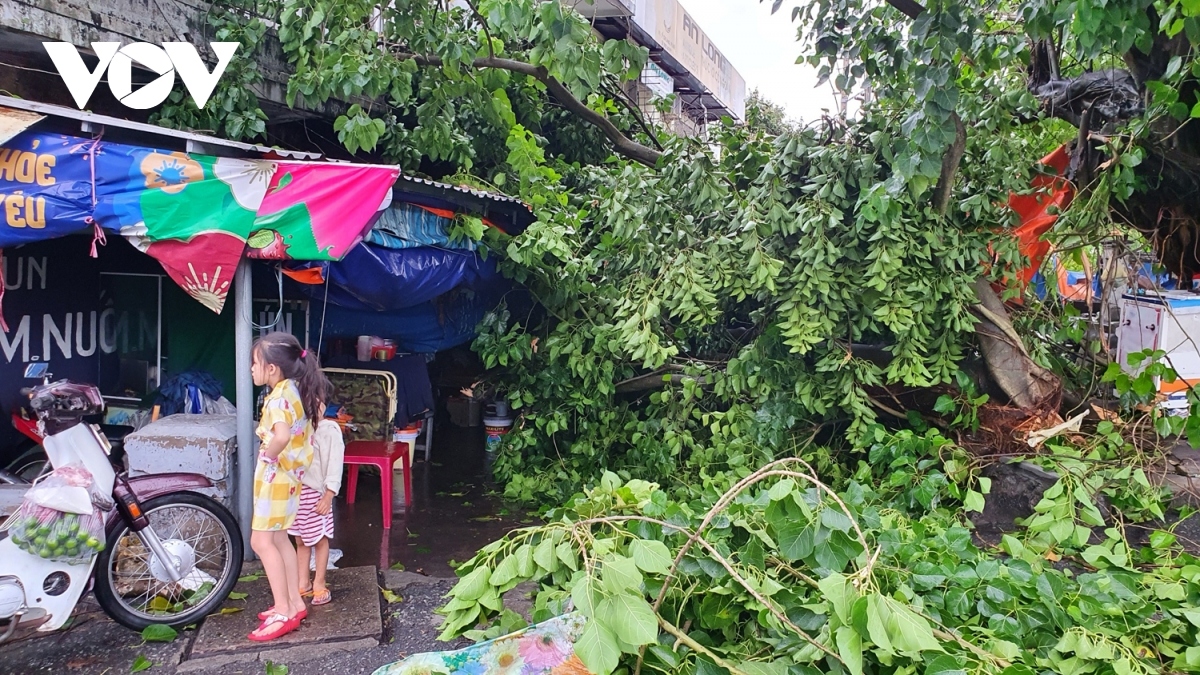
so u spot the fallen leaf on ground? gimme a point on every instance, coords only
(140, 663)
(157, 632)
(237, 596)
(250, 577)
(392, 598)
(276, 668)
(229, 610)
(398, 566)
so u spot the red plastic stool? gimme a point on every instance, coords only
(382, 454)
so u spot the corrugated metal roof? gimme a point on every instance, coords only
(482, 194)
(13, 122)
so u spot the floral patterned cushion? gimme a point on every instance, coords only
(547, 648)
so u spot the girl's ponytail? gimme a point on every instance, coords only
(314, 388)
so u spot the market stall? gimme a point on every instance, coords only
(143, 216)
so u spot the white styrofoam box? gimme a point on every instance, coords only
(203, 444)
(1167, 321)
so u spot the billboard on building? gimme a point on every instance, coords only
(678, 33)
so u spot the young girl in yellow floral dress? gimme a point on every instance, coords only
(285, 430)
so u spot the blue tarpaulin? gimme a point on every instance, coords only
(376, 279)
(426, 328)
(405, 225)
(46, 184)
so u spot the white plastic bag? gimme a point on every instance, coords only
(221, 406)
(61, 517)
(66, 489)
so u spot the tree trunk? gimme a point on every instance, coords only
(1027, 384)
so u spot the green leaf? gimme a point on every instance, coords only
(878, 617)
(850, 648)
(762, 667)
(621, 574)
(781, 489)
(597, 648)
(840, 595)
(234, 595)
(390, 597)
(544, 556)
(276, 668)
(944, 664)
(973, 501)
(630, 618)
(157, 632)
(791, 529)
(140, 663)
(584, 597)
(474, 585)
(835, 519)
(910, 633)
(945, 405)
(651, 556)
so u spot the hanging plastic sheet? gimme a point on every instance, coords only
(1039, 210)
(197, 215)
(46, 185)
(377, 279)
(407, 225)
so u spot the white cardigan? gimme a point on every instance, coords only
(329, 451)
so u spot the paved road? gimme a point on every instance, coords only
(93, 644)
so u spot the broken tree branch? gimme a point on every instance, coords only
(909, 8)
(950, 162)
(624, 146)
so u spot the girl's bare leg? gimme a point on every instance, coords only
(322, 548)
(265, 547)
(293, 601)
(303, 556)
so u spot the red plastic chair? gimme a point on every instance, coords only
(382, 454)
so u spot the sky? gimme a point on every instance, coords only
(763, 49)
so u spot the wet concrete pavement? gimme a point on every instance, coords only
(455, 511)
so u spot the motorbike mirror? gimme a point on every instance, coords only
(36, 371)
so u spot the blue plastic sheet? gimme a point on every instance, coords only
(376, 279)
(426, 328)
(405, 225)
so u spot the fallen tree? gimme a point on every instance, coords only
(700, 308)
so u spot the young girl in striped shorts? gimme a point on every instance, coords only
(313, 528)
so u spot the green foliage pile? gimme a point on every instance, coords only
(876, 572)
(751, 277)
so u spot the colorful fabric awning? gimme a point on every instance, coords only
(195, 214)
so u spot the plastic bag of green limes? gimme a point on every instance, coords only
(58, 536)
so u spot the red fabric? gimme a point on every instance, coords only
(1034, 211)
(203, 266)
(449, 215)
(311, 276)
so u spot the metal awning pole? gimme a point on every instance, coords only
(247, 448)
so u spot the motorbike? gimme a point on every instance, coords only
(29, 458)
(170, 555)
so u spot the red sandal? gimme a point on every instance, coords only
(285, 624)
(263, 615)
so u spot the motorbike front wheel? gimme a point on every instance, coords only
(133, 586)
